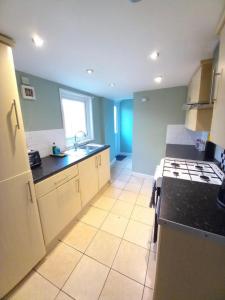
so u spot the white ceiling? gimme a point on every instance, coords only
(114, 37)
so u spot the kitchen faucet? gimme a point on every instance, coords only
(79, 134)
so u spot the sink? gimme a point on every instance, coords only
(83, 149)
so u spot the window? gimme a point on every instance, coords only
(115, 120)
(77, 117)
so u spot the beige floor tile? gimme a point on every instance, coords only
(87, 280)
(120, 287)
(94, 216)
(138, 233)
(34, 287)
(104, 202)
(115, 224)
(104, 247)
(112, 192)
(123, 177)
(132, 260)
(148, 294)
(58, 265)
(143, 200)
(118, 184)
(136, 180)
(127, 196)
(146, 191)
(63, 296)
(80, 236)
(150, 277)
(122, 208)
(143, 214)
(132, 187)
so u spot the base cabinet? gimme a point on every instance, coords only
(21, 240)
(59, 207)
(189, 266)
(94, 174)
(88, 170)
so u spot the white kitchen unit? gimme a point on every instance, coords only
(94, 175)
(21, 239)
(217, 128)
(59, 201)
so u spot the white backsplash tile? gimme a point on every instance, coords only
(42, 140)
(178, 134)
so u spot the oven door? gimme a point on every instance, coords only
(157, 209)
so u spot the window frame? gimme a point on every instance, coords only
(87, 100)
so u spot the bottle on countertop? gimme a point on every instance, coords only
(55, 149)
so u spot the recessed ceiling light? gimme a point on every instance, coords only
(37, 40)
(158, 79)
(112, 84)
(90, 71)
(154, 55)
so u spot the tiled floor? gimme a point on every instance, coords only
(108, 254)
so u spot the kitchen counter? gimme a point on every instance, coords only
(184, 151)
(192, 205)
(52, 165)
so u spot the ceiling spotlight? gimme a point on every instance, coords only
(154, 55)
(90, 71)
(158, 79)
(144, 100)
(37, 40)
(112, 84)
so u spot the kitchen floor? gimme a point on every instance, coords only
(108, 254)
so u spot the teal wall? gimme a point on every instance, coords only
(151, 118)
(108, 126)
(45, 112)
(126, 125)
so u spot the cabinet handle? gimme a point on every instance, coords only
(78, 185)
(100, 160)
(96, 161)
(213, 86)
(30, 191)
(16, 113)
(61, 180)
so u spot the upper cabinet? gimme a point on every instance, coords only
(218, 128)
(199, 98)
(199, 89)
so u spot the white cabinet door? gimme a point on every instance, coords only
(21, 239)
(88, 170)
(217, 128)
(13, 151)
(69, 202)
(103, 168)
(49, 213)
(58, 208)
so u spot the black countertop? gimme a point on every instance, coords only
(191, 204)
(184, 151)
(51, 165)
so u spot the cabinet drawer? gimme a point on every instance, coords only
(56, 180)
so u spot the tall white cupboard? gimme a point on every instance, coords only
(21, 238)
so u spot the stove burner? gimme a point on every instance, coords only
(175, 165)
(206, 178)
(199, 167)
(176, 173)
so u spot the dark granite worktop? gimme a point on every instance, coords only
(191, 205)
(184, 151)
(51, 165)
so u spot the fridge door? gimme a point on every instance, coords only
(13, 150)
(21, 239)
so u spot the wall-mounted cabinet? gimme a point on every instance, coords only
(198, 118)
(218, 128)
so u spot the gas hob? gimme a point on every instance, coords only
(193, 170)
